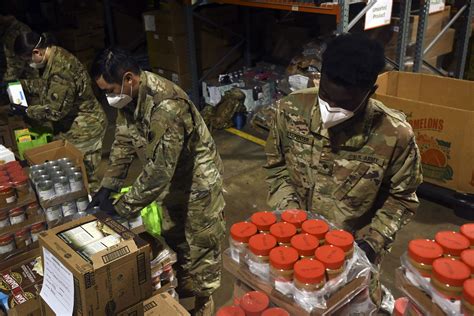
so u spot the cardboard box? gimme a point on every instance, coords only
(111, 280)
(169, 19)
(251, 282)
(73, 39)
(182, 80)
(163, 305)
(441, 112)
(20, 269)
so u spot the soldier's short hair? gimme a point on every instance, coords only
(112, 64)
(353, 60)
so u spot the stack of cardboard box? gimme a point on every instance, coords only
(167, 43)
(8, 125)
(81, 29)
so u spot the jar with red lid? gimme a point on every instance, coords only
(240, 234)
(305, 244)
(259, 248)
(453, 243)
(12, 164)
(275, 311)
(4, 178)
(342, 239)
(467, 230)
(7, 194)
(295, 217)
(32, 209)
(422, 253)
(283, 232)
(467, 301)
(4, 219)
(17, 215)
(230, 311)
(22, 238)
(309, 278)
(316, 227)
(448, 277)
(282, 260)
(17, 173)
(7, 244)
(22, 186)
(333, 259)
(254, 303)
(263, 221)
(36, 229)
(467, 256)
(400, 306)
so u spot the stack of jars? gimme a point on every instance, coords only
(253, 303)
(448, 263)
(298, 255)
(56, 178)
(22, 238)
(14, 185)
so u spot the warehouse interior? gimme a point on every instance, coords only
(236, 60)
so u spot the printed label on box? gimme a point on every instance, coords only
(379, 15)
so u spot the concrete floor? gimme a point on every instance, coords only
(246, 190)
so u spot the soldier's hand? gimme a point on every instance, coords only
(108, 207)
(102, 195)
(369, 251)
(17, 109)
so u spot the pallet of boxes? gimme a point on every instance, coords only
(297, 262)
(437, 276)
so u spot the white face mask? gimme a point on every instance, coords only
(332, 116)
(119, 101)
(41, 64)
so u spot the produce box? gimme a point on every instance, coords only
(163, 305)
(93, 266)
(441, 112)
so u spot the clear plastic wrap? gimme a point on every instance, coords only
(450, 307)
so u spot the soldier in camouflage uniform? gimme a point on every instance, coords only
(66, 99)
(343, 155)
(12, 67)
(182, 170)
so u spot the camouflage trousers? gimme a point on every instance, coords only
(196, 236)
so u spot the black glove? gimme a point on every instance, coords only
(17, 109)
(102, 195)
(369, 251)
(108, 207)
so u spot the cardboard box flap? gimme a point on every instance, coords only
(52, 150)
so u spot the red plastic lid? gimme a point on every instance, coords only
(230, 311)
(21, 233)
(275, 311)
(5, 186)
(242, 231)
(305, 244)
(453, 243)
(6, 238)
(16, 211)
(424, 251)
(295, 217)
(21, 179)
(315, 227)
(467, 256)
(331, 256)
(263, 220)
(32, 205)
(450, 271)
(4, 178)
(38, 226)
(340, 238)
(254, 302)
(283, 258)
(400, 306)
(16, 172)
(261, 244)
(3, 214)
(309, 271)
(12, 165)
(468, 291)
(468, 231)
(283, 231)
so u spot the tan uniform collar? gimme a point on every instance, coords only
(352, 134)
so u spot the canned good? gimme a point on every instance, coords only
(240, 234)
(467, 230)
(46, 190)
(61, 186)
(81, 203)
(21, 186)
(422, 253)
(305, 244)
(7, 194)
(75, 181)
(283, 232)
(333, 259)
(453, 243)
(57, 174)
(17, 215)
(73, 170)
(448, 277)
(7, 244)
(263, 220)
(316, 227)
(32, 209)
(4, 219)
(254, 303)
(295, 217)
(51, 164)
(53, 169)
(36, 168)
(22, 238)
(40, 178)
(309, 276)
(36, 229)
(69, 208)
(63, 161)
(53, 213)
(342, 239)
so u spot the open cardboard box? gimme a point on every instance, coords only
(163, 304)
(249, 281)
(112, 280)
(441, 112)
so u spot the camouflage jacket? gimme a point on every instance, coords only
(66, 99)
(181, 163)
(12, 67)
(360, 174)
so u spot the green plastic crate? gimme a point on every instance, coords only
(37, 139)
